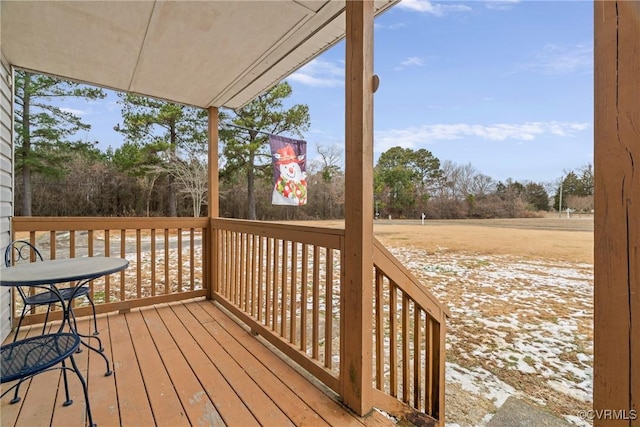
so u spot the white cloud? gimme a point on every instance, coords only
(436, 9)
(319, 73)
(411, 61)
(415, 136)
(501, 4)
(562, 60)
(395, 26)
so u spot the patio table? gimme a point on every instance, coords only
(47, 274)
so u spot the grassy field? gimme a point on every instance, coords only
(567, 239)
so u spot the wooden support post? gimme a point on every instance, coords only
(617, 214)
(357, 292)
(212, 190)
(213, 200)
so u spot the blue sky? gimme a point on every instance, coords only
(504, 85)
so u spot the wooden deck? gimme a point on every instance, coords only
(179, 364)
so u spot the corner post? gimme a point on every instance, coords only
(357, 292)
(616, 380)
(213, 200)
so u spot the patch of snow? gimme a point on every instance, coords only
(511, 318)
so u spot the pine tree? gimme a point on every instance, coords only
(244, 134)
(160, 129)
(44, 128)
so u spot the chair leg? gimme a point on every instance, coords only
(66, 385)
(46, 319)
(95, 320)
(75, 326)
(15, 336)
(16, 398)
(85, 389)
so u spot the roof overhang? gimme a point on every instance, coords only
(199, 53)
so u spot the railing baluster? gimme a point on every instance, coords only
(90, 243)
(267, 292)
(437, 363)
(261, 281)
(52, 244)
(393, 347)
(276, 266)
(153, 261)
(123, 254)
(315, 333)
(379, 330)
(294, 293)
(417, 354)
(303, 297)
(235, 262)
(179, 243)
(107, 279)
(242, 301)
(283, 291)
(167, 260)
(328, 320)
(253, 275)
(231, 260)
(405, 348)
(72, 244)
(192, 257)
(138, 264)
(428, 364)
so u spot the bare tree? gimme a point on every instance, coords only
(580, 204)
(192, 177)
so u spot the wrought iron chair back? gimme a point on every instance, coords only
(23, 251)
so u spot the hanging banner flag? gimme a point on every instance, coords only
(289, 171)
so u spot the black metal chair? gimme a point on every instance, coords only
(21, 250)
(26, 358)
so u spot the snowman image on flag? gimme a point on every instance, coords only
(291, 185)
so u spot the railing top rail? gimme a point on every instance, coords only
(327, 237)
(402, 277)
(31, 223)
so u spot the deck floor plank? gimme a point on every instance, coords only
(184, 363)
(165, 403)
(261, 406)
(228, 404)
(74, 414)
(197, 405)
(287, 399)
(132, 397)
(102, 389)
(327, 408)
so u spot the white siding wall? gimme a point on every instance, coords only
(6, 184)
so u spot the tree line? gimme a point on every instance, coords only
(161, 168)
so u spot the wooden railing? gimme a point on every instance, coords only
(409, 341)
(284, 281)
(166, 256)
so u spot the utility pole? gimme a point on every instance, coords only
(560, 203)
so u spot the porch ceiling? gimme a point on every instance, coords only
(200, 53)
